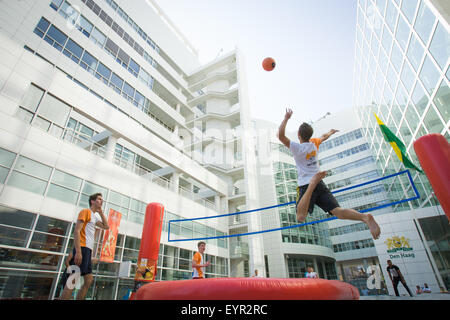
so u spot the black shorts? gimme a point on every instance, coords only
(321, 197)
(86, 264)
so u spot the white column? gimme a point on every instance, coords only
(175, 181)
(217, 202)
(316, 269)
(110, 148)
(324, 270)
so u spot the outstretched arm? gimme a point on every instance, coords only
(328, 134)
(282, 129)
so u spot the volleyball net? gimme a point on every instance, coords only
(382, 194)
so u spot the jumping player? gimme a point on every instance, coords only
(311, 189)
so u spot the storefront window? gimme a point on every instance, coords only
(26, 284)
(11, 258)
(361, 274)
(437, 233)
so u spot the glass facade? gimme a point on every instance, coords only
(297, 266)
(358, 273)
(33, 176)
(402, 57)
(37, 274)
(52, 239)
(437, 234)
(402, 74)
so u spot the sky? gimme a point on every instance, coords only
(312, 42)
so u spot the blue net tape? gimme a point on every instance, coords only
(416, 196)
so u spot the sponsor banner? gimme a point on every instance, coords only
(145, 270)
(110, 238)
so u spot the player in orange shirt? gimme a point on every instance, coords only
(198, 266)
(84, 242)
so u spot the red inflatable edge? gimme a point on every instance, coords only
(248, 289)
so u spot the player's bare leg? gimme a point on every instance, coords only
(368, 219)
(88, 279)
(303, 205)
(67, 293)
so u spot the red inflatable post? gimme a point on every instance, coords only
(433, 152)
(150, 240)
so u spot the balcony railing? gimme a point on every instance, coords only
(237, 220)
(79, 138)
(238, 248)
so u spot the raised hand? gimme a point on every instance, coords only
(288, 114)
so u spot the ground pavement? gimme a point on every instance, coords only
(423, 296)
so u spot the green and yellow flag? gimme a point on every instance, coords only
(397, 145)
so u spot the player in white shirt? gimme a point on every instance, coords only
(311, 189)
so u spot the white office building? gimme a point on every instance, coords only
(106, 96)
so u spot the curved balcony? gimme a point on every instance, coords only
(231, 95)
(230, 75)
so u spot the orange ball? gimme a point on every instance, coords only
(268, 64)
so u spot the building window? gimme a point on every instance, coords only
(440, 45)
(442, 100)
(128, 92)
(84, 26)
(118, 202)
(98, 37)
(403, 32)
(15, 226)
(55, 113)
(123, 58)
(56, 38)
(409, 9)
(50, 234)
(88, 189)
(30, 103)
(116, 83)
(64, 187)
(77, 132)
(137, 211)
(432, 121)
(42, 27)
(424, 22)
(6, 161)
(134, 68)
(30, 175)
(350, 166)
(55, 4)
(68, 12)
(103, 73)
(88, 62)
(429, 75)
(415, 52)
(73, 51)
